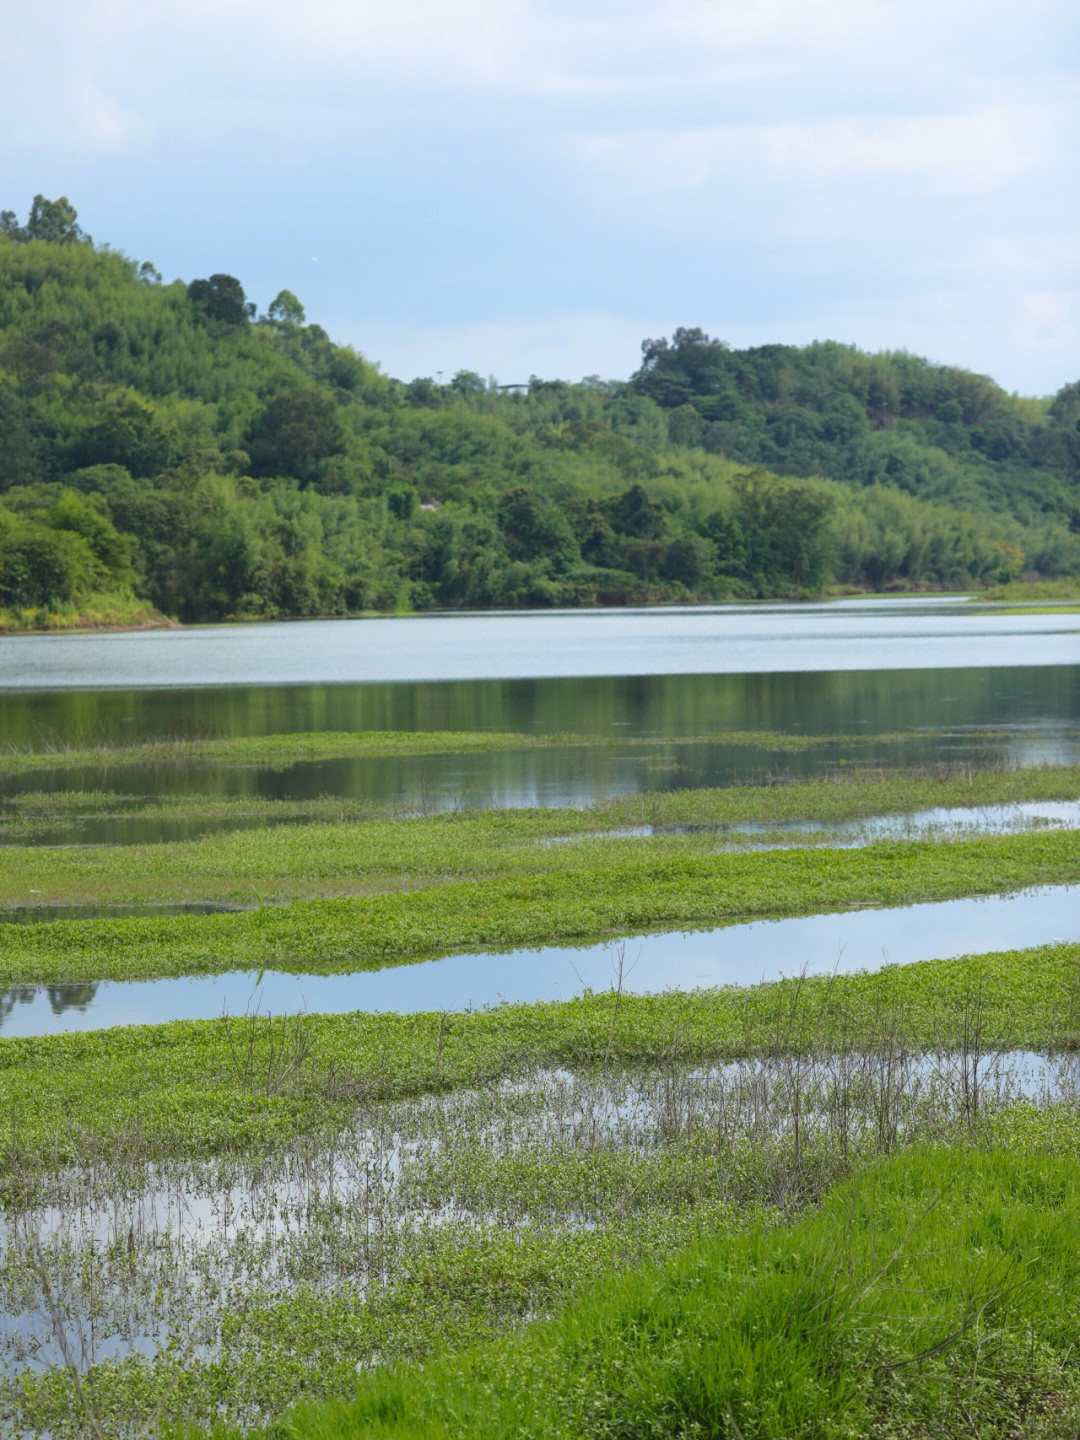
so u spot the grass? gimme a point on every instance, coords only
(291, 749)
(1065, 590)
(608, 889)
(249, 1084)
(335, 850)
(431, 1222)
(912, 1302)
(106, 610)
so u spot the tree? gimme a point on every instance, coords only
(221, 299)
(42, 566)
(632, 513)
(54, 220)
(285, 309)
(535, 529)
(467, 383)
(785, 527)
(127, 432)
(690, 560)
(297, 430)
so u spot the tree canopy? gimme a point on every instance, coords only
(168, 439)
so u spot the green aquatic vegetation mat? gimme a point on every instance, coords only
(933, 1291)
(448, 1291)
(607, 888)
(248, 1084)
(336, 849)
(936, 1293)
(291, 749)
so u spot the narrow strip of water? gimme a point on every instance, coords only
(741, 954)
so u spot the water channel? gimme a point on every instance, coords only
(741, 954)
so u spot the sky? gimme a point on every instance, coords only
(533, 187)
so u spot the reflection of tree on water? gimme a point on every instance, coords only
(17, 995)
(71, 997)
(61, 997)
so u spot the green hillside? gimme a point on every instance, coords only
(168, 443)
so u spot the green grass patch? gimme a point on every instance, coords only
(613, 889)
(105, 610)
(1063, 591)
(937, 1293)
(335, 853)
(291, 749)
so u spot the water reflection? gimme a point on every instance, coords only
(119, 1259)
(740, 954)
(60, 998)
(939, 823)
(560, 776)
(1038, 703)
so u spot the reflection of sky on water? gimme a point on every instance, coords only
(960, 822)
(186, 1237)
(664, 640)
(740, 954)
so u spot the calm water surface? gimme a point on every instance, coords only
(864, 634)
(895, 682)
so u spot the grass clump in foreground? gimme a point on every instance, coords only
(937, 1293)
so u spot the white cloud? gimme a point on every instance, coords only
(1048, 326)
(896, 172)
(952, 154)
(681, 47)
(101, 124)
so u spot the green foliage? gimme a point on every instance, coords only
(529, 897)
(286, 309)
(891, 419)
(221, 299)
(50, 220)
(295, 431)
(934, 1293)
(43, 566)
(697, 479)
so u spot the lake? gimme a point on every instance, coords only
(884, 682)
(869, 682)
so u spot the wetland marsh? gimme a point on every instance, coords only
(207, 1219)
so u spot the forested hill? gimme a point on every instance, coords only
(169, 441)
(892, 419)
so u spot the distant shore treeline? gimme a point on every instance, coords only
(170, 443)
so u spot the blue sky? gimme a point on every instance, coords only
(533, 187)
